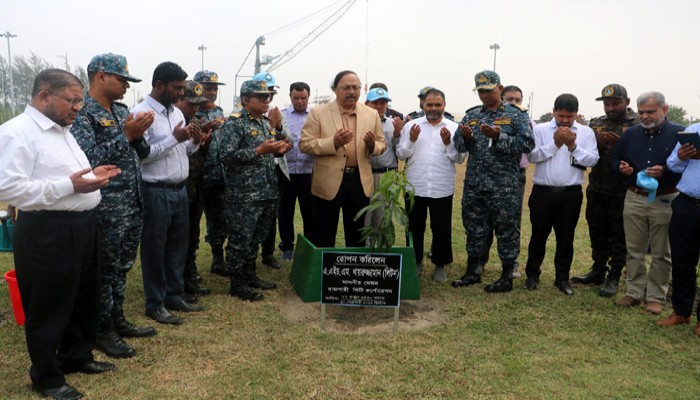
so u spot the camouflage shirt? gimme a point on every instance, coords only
(602, 178)
(100, 134)
(248, 176)
(213, 173)
(495, 167)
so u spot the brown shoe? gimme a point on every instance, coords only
(696, 331)
(673, 319)
(654, 307)
(627, 301)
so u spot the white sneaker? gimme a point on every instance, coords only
(515, 273)
(440, 275)
(419, 268)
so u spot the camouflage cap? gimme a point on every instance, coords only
(193, 93)
(422, 92)
(111, 64)
(378, 93)
(207, 77)
(613, 91)
(486, 80)
(267, 77)
(250, 87)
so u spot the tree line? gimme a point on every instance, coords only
(24, 70)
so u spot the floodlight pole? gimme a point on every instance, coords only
(495, 48)
(202, 48)
(8, 35)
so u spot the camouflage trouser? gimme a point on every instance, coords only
(215, 210)
(504, 207)
(195, 199)
(248, 225)
(606, 229)
(119, 241)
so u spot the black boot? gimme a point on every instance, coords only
(503, 284)
(254, 280)
(126, 329)
(240, 288)
(109, 342)
(609, 288)
(218, 266)
(595, 276)
(191, 285)
(470, 277)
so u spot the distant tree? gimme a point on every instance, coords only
(678, 115)
(545, 118)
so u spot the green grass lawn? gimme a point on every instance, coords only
(519, 345)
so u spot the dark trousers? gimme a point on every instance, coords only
(163, 244)
(351, 198)
(606, 230)
(298, 188)
(215, 211)
(57, 263)
(268, 245)
(684, 235)
(440, 225)
(558, 210)
(195, 197)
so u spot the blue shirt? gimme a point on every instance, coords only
(642, 149)
(298, 162)
(690, 180)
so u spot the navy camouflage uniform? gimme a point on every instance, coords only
(491, 181)
(100, 133)
(251, 192)
(213, 184)
(605, 197)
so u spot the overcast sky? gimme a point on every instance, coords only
(546, 47)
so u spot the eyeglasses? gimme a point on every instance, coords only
(350, 88)
(76, 103)
(264, 96)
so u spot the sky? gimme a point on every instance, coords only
(546, 47)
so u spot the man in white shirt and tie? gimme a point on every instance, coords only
(563, 150)
(426, 145)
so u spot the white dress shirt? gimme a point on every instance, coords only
(38, 158)
(167, 161)
(431, 164)
(388, 158)
(554, 165)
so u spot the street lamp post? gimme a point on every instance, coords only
(495, 48)
(202, 48)
(65, 60)
(8, 35)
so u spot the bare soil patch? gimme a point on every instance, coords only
(413, 315)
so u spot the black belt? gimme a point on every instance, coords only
(382, 169)
(60, 213)
(165, 185)
(689, 198)
(558, 189)
(659, 192)
(351, 170)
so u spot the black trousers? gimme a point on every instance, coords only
(684, 235)
(351, 199)
(440, 225)
(58, 270)
(606, 230)
(558, 210)
(298, 188)
(268, 245)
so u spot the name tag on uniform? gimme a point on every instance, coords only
(107, 122)
(254, 132)
(502, 121)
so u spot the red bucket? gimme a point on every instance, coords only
(11, 279)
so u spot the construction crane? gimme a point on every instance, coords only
(274, 62)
